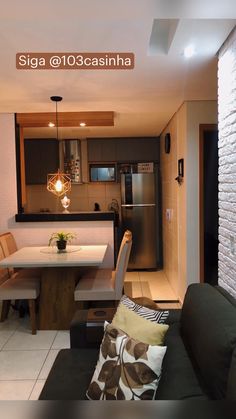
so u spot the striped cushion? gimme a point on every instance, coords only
(156, 316)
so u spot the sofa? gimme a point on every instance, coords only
(199, 364)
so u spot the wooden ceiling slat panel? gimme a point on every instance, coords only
(66, 119)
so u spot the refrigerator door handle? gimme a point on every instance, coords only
(137, 205)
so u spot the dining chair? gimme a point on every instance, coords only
(105, 284)
(9, 246)
(4, 274)
(16, 287)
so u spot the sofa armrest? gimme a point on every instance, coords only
(225, 293)
(174, 316)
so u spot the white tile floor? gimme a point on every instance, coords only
(26, 359)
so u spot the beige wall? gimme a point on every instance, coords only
(181, 233)
(173, 199)
(8, 200)
(181, 203)
(169, 201)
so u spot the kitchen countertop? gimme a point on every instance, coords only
(71, 216)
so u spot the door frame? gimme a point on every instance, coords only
(202, 129)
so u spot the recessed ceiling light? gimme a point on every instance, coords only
(82, 124)
(189, 51)
(51, 124)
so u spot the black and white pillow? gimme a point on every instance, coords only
(156, 316)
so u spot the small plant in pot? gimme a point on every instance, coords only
(61, 239)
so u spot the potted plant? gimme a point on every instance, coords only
(61, 238)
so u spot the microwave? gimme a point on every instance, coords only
(102, 172)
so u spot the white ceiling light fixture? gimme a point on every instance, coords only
(51, 124)
(189, 51)
(82, 124)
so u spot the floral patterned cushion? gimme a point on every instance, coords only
(127, 369)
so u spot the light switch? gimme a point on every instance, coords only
(168, 214)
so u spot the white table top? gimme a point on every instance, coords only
(42, 256)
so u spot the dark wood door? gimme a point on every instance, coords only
(209, 204)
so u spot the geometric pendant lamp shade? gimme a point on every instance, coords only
(58, 183)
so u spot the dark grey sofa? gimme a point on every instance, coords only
(200, 362)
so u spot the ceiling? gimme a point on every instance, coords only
(143, 99)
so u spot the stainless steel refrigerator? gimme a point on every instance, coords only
(138, 213)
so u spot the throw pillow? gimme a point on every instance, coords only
(138, 327)
(156, 316)
(126, 369)
(145, 302)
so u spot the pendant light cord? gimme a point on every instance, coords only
(56, 99)
(57, 120)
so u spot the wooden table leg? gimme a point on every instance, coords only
(57, 305)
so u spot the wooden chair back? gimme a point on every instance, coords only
(4, 275)
(122, 263)
(8, 243)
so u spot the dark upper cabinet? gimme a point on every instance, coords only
(138, 149)
(94, 150)
(109, 149)
(102, 150)
(41, 158)
(124, 149)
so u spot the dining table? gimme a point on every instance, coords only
(60, 271)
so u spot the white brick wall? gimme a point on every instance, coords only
(227, 163)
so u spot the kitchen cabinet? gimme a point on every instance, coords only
(94, 150)
(102, 150)
(124, 149)
(138, 149)
(109, 149)
(41, 158)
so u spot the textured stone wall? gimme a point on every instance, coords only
(227, 164)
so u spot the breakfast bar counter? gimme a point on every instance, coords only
(71, 216)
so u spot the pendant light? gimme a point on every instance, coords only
(58, 183)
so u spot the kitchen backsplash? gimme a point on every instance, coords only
(83, 197)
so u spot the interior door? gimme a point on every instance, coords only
(209, 204)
